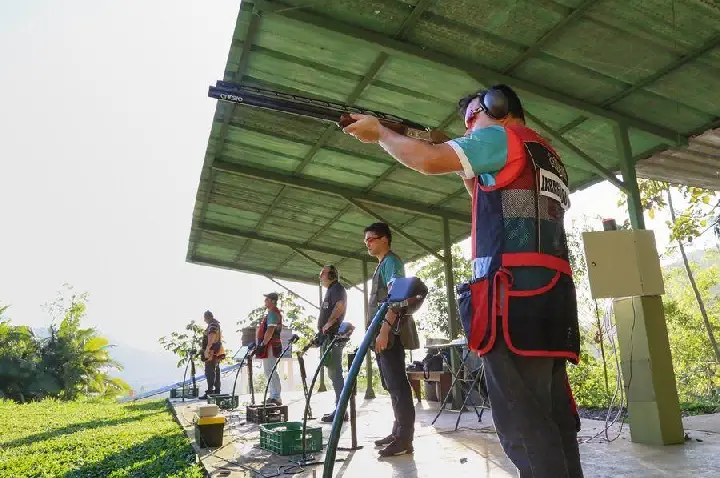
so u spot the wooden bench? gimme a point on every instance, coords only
(442, 381)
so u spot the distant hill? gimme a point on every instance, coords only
(143, 368)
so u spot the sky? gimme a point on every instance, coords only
(105, 119)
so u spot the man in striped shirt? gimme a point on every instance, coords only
(212, 353)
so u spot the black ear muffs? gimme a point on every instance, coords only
(332, 273)
(495, 104)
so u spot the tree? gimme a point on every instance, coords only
(19, 360)
(696, 368)
(70, 362)
(436, 320)
(78, 359)
(684, 227)
(185, 344)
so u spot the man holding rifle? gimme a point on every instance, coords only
(522, 315)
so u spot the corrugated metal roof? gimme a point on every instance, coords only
(279, 195)
(698, 164)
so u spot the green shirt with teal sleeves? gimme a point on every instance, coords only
(273, 318)
(391, 268)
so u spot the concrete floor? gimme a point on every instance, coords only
(473, 450)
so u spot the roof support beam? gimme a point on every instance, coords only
(320, 264)
(680, 62)
(481, 73)
(459, 192)
(596, 166)
(337, 189)
(292, 292)
(413, 18)
(250, 270)
(397, 229)
(351, 99)
(231, 231)
(552, 34)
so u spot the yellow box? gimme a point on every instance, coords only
(211, 420)
(623, 264)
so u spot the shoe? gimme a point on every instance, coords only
(396, 448)
(273, 401)
(203, 397)
(329, 417)
(385, 441)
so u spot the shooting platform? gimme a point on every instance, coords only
(471, 451)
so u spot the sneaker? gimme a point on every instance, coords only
(396, 448)
(329, 417)
(385, 441)
(274, 401)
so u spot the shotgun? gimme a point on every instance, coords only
(322, 110)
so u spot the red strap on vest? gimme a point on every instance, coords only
(535, 259)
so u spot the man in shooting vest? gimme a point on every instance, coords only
(269, 346)
(390, 347)
(212, 353)
(519, 312)
(332, 313)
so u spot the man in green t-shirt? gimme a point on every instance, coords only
(390, 346)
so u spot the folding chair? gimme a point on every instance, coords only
(471, 379)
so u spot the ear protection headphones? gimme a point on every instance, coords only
(493, 102)
(333, 273)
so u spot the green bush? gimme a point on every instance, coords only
(88, 438)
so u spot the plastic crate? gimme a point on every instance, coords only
(224, 401)
(189, 392)
(285, 438)
(266, 413)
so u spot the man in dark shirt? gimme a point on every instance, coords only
(331, 316)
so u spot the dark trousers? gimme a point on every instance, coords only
(391, 363)
(212, 374)
(532, 413)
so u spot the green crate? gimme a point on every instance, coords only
(223, 401)
(285, 438)
(189, 392)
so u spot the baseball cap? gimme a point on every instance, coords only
(272, 296)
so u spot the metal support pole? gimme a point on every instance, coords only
(369, 392)
(321, 387)
(627, 166)
(452, 310)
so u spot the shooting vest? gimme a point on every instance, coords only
(218, 351)
(522, 286)
(378, 293)
(275, 341)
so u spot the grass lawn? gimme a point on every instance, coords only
(93, 439)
